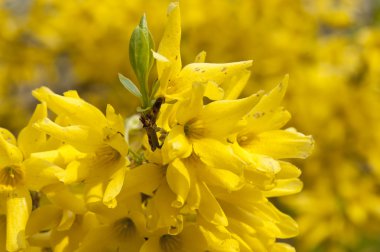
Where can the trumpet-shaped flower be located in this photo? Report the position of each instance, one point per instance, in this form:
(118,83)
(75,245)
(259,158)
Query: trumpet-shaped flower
(19,173)
(100,137)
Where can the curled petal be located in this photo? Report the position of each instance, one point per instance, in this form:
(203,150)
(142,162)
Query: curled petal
(281,144)
(178,178)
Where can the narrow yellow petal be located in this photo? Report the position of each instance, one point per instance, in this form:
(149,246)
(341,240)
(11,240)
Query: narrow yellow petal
(218,238)
(170,42)
(273,99)
(189,109)
(176,145)
(76,109)
(205,72)
(221,156)
(178,179)
(285,187)
(75,172)
(221,178)
(143,179)
(263,121)
(201,57)
(288,171)
(281,144)
(234,86)
(162,214)
(40,173)
(209,207)
(43,218)
(30,139)
(59,195)
(151,245)
(82,137)
(67,220)
(282,247)
(7,136)
(114,186)
(9,153)
(18,208)
(213,91)
(220,118)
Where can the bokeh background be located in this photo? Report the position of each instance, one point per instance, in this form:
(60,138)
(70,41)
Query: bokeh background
(330,48)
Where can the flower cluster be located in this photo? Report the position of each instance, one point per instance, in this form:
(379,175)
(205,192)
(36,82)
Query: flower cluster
(194,171)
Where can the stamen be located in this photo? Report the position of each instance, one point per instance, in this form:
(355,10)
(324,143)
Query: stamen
(107,155)
(124,228)
(11,175)
(170,243)
(194,129)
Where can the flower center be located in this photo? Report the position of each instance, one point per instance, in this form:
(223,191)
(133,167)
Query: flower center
(170,243)
(194,129)
(124,228)
(10,176)
(106,155)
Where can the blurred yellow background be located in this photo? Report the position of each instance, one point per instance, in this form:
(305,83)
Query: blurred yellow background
(330,48)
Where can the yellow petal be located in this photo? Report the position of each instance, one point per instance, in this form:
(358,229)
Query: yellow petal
(281,144)
(218,238)
(220,118)
(178,179)
(209,207)
(75,172)
(43,218)
(19,205)
(213,91)
(96,240)
(201,57)
(115,121)
(221,178)
(79,111)
(162,214)
(264,121)
(234,86)
(67,220)
(82,137)
(59,195)
(287,171)
(285,187)
(176,145)
(282,247)
(30,139)
(143,179)
(151,245)
(7,136)
(40,173)
(114,186)
(191,108)
(273,99)
(221,155)
(170,42)
(9,153)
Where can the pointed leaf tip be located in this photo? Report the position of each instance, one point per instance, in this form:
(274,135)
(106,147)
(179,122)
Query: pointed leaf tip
(129,85)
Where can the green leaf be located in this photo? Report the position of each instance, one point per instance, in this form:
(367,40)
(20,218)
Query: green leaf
(129,85)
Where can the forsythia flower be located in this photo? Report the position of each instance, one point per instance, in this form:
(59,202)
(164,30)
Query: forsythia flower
(99,137)
(20,172)
(200,179)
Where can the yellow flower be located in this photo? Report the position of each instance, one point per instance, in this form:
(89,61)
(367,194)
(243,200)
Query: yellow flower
(177,82)
(100,137)
(19,173)
(120,229)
